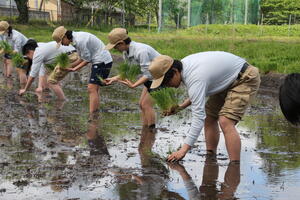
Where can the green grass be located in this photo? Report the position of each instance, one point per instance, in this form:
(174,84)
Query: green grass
(270,48)
(129,72)
(165,98)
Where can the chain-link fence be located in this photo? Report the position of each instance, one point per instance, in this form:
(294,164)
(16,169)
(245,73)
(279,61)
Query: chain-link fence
(184,13)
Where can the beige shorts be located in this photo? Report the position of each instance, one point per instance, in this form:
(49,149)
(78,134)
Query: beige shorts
(233,102)
(59,73)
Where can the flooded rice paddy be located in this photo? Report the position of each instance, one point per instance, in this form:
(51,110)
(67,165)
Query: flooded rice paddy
(51,150)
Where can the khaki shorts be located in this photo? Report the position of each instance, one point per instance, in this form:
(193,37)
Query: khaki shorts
(233,102)
(60,73)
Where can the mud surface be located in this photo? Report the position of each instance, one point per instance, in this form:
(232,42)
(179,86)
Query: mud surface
(51,150)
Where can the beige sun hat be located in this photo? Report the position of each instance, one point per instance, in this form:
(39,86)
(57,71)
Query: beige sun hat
(3,27)
(158,68)
(116,36)
(58,34)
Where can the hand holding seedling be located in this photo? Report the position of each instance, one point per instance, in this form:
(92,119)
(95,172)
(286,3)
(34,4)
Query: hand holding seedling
(179,155)
(127,83)
(111,80)
(172,111)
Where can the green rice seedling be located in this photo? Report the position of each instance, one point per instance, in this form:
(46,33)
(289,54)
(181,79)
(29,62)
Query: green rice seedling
(165,98)
(50,67)
(62,60)
(18,60)
(5,46)
(129,72)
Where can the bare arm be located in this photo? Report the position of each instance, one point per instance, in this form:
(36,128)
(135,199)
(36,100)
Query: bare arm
(28,84)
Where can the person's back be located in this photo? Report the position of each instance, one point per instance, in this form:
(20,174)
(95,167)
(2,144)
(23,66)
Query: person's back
(216,69)
(91,48)
(17,40)
(48,51)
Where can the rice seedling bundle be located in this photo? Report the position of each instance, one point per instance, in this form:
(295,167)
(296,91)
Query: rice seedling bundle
(62,60)
(18,59)
(50,67)
(166,98)
(5,47)
(129,72)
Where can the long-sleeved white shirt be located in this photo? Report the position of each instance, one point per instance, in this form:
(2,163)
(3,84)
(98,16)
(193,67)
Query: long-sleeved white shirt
(46,53)
(205,74)
(142,55)
(17,40)
(90,48)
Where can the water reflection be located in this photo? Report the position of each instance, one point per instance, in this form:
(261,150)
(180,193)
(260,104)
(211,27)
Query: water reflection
(95,140)
(208,189)
(151,181)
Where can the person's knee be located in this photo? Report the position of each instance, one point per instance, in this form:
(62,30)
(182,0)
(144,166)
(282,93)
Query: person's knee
(226,123)
(92,89)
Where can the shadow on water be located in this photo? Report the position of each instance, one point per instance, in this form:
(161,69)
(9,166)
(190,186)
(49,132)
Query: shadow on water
(55,150)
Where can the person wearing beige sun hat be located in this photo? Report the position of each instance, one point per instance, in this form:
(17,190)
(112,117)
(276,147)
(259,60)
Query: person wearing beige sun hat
(135,53)
(229,82)
(17,40)
(91,50)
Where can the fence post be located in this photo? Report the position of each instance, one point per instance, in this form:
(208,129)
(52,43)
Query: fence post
(289,32)
(149,22)
(159,16)
(189,13)
(206,24)
(246,12)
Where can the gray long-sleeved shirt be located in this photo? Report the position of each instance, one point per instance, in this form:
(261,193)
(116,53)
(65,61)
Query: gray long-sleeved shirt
(205,74)
(142,55)
(46,53)
(90,48)
(17,40)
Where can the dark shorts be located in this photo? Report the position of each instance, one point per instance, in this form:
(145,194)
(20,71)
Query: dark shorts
(148,85)
(100,70)
(7,56)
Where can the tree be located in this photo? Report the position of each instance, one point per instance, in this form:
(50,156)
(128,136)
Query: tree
(278,11)
(176,10)
(22,6)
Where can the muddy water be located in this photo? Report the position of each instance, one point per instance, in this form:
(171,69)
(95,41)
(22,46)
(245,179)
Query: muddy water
(50,150)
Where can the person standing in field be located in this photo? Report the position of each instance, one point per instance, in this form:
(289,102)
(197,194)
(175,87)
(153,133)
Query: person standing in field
(135,53)
(90,50)
(228,80)
(42,55)
(17,40)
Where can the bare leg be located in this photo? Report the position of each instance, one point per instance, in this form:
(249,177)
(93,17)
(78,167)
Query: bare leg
(232,138)
(56,88)
(146,106)
(9,67)
(212,133)
(42,84)
(93,90)
(22,77)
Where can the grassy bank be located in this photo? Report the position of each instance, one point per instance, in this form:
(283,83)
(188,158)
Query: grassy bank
(267,47)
